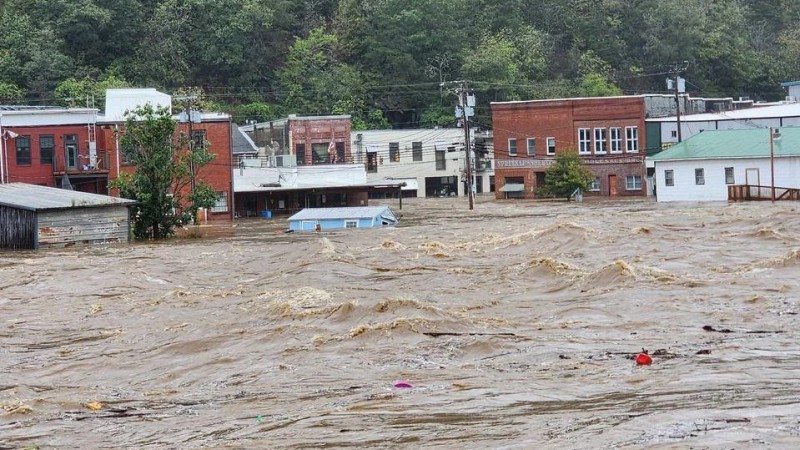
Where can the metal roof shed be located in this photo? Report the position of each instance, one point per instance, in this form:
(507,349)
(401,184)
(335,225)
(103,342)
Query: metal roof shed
(33,217)
(333,218)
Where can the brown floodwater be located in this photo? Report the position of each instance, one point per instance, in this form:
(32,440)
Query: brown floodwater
(516,325)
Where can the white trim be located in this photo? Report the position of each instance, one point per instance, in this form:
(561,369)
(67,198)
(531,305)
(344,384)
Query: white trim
(584,141)
(530,147)
(553,140)
(615,140)
(516,150)
(600,139)
(355,221)
(632,140)
(633,178)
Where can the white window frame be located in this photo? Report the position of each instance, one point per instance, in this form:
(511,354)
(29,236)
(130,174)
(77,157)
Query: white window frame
(221,204)
(349,222)
(699,176)
(584,141)
(510,141)
(531,146)
(632,139)
(594,186)
(669,177)
(732,179)
(634,179)
(551,146)
(599,141)
(615,140)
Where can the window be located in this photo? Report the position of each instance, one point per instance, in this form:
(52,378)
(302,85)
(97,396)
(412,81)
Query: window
(674,133)
(595,185)
(222,202)
(729,179)
(300,151)
(699,177)
(416,151)
(71,147)
(198,139)
(531,146)
(551,146)
(320,153)
(23,150)
(441,162)
(351,224)
(632,139)
(340,153)
(47,146)
(372,162)
(512,147)
(633,182)
(669,178)
(616,139)
(584,141)
(599,141)
(394,151)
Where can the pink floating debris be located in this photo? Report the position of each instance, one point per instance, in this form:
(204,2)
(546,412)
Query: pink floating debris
(402,384)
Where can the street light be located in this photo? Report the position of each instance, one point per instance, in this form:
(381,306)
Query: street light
(774,135)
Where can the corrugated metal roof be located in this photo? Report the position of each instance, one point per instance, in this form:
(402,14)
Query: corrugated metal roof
(749,143)
(32,197)
(356,212)
(756,112)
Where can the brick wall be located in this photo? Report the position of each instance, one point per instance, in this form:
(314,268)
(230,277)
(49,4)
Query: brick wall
(319,131)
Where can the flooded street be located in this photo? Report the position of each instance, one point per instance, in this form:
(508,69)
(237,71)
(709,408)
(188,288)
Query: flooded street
(515,323)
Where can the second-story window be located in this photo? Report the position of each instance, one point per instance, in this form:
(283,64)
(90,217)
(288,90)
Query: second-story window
(632,139)
(47,147)
(340,153)
(599,141)
(584,141)
(198,139)
(300,151)
(23,150)
(531,146)
(394,151)
(416,151)
(616,139)
(441,161)
(512,147)
(551,146)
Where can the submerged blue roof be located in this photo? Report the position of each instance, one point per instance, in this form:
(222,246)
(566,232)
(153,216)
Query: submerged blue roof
(355,212)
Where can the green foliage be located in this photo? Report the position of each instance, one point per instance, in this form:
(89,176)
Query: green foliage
(437,115)
(596,85)
(75,92)
(258,111)
(565,175)
(162,182)
(10,93)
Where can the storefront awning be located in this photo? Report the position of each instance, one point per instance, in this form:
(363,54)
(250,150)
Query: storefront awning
(512,187)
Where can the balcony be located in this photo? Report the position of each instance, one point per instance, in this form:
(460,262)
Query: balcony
(82,164)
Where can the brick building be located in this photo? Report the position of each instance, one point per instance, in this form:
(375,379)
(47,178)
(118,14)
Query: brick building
(607,132)
(78,148)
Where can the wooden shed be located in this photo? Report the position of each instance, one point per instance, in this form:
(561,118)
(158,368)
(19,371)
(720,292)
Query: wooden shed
(311,219)
(33,217)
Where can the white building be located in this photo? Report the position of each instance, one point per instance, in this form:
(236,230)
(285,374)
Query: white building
(431,162)
(703,167)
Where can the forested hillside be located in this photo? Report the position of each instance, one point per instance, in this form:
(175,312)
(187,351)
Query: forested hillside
(383,60)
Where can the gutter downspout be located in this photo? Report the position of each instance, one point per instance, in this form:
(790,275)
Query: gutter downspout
(230,170)
(2,153)
(116,146)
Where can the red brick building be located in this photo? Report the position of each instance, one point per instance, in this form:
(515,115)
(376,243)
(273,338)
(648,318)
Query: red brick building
(607,132)
(78,148)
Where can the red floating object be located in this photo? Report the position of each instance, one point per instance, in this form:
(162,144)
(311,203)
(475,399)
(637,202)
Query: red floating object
(643,359)
(402,384)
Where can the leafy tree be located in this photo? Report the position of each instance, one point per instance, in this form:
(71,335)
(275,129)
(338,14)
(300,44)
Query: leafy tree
(10,93)
(162,181)
(77,92)
(565,175)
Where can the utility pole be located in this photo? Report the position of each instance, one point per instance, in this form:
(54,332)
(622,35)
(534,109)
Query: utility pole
(188,109)
(463,93)
(676,72)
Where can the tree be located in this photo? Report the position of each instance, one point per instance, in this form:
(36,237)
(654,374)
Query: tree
(10,93)
(75,92)
(161,183)
(565,176)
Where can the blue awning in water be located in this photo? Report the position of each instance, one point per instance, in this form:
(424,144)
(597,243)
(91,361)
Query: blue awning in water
(512,187)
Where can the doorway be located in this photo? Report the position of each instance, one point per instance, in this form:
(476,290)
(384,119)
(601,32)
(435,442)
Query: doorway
(612,185)
(752,179)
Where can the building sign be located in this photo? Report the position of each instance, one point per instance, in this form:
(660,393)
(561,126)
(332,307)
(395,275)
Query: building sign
(618,160)
(521,163)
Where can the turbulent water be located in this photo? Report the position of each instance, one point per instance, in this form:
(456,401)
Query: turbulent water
(515,324)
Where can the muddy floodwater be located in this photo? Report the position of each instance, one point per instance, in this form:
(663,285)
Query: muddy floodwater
(515,325)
